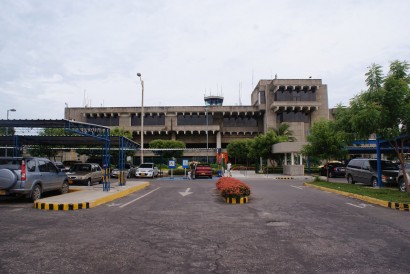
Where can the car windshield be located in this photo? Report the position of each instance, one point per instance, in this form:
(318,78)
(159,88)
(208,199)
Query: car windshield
(146,166)
(81,167)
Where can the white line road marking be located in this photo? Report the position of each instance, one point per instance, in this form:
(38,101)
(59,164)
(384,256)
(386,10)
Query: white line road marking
(130,202)
(298,187)
(359,206)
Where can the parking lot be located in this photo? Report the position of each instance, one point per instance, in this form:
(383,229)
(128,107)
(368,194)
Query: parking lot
(184,226)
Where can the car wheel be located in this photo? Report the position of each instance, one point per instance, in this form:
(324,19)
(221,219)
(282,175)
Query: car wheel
(36,193)
(350,179)
(65,188)
(374,182)
(402,185)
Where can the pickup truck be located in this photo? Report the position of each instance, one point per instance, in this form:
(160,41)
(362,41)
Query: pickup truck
(30,177)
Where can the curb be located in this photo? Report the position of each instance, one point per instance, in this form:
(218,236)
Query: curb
(392,205)
(91,204)
(242,200)
(284,178)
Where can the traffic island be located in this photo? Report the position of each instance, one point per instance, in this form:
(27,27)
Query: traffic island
(88,197)
(233,190)
(371,200)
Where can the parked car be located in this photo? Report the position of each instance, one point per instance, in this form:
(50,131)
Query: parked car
(400,178)
(147,170)
(69,163)
(60,166)
(334,169)
(30,177)
(129,171)
(365,171)
(203,170)
(87,173)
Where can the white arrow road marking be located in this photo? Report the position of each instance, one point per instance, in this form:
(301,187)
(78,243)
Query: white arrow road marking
(186,192)
(298,187)
(140,197)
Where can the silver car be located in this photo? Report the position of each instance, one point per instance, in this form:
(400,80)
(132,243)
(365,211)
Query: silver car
(87,173)
(365,171)
(30,177)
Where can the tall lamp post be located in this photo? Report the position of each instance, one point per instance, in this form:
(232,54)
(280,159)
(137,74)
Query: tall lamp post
(142,117)
(7,129)
(206,116)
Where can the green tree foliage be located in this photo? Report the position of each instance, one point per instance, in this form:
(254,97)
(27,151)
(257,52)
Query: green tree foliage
(326,142)
(261,145)
(49,151)
(284,130)
(168,144)
(7,131)
(239,150)
(121,132)
(383,109)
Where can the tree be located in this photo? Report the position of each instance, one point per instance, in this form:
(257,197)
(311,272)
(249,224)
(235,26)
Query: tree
(121,132)
(49,151)
(284,130)
(261,145)
(168,145)
(383,109)
(239,150)
(325,141)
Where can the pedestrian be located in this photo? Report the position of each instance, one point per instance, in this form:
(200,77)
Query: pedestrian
(189,175)
(228,169)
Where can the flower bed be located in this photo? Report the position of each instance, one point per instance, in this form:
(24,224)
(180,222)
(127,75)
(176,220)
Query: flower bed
(233,189)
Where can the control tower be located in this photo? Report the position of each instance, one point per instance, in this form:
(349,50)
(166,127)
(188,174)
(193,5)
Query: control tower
(213,100)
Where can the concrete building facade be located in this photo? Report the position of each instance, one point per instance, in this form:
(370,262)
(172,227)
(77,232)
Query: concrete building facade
(297,102)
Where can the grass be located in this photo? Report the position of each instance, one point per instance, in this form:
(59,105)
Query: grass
(385,194)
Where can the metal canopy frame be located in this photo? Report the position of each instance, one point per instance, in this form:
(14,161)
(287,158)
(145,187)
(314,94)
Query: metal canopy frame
(91,134)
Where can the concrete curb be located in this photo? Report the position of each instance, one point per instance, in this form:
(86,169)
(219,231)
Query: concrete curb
(242,200)
(393,205)
(108,197)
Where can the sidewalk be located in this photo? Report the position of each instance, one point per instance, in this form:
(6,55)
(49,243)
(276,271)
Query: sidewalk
(85,197)
(252,174)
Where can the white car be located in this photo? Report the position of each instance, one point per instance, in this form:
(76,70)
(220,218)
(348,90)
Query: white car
(147,170)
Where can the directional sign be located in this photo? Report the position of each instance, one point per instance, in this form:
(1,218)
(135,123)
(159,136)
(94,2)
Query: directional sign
(186,192)
(185,163)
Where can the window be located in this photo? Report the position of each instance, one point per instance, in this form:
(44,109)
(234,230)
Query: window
(154,120)
(240,122)
(293,117)
(42,166)
(188,120)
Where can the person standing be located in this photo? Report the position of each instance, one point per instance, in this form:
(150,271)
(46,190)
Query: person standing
(228,169)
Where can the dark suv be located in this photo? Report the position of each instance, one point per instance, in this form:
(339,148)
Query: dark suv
(365,171)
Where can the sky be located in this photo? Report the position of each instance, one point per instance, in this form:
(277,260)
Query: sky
(71,53)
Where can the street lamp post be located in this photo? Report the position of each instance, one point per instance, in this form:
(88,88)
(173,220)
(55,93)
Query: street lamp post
(142,117)
(206,115)
(7,128)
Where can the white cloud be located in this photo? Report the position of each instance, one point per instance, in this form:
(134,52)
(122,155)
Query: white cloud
(51,51)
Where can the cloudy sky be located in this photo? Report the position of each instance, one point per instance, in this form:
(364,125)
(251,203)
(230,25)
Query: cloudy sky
(54,53)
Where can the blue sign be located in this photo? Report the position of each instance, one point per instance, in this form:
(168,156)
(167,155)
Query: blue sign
(171,164)
(185,163)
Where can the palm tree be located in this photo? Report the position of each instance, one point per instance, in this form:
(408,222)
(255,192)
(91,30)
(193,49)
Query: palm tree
(284,130)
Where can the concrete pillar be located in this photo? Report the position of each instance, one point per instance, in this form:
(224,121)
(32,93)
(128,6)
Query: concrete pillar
(218,140)
(292,159)
(300,159)
(286,159)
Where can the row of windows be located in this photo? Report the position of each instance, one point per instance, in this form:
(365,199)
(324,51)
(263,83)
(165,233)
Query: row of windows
(196,120)
(295,96)
(292,116)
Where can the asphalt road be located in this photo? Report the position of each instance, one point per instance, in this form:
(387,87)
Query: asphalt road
(184,226)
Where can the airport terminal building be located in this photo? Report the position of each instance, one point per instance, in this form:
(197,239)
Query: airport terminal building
(297,102)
